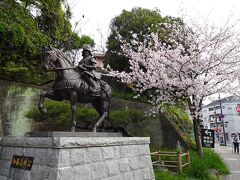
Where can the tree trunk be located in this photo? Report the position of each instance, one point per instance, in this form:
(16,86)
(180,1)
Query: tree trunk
(192,104)
(197,138)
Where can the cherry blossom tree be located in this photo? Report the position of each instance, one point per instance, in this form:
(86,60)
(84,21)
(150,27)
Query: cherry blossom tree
(195,62)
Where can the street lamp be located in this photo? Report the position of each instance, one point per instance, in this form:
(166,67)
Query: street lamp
(222,120)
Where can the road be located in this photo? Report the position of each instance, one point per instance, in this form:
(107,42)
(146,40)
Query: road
(231,159)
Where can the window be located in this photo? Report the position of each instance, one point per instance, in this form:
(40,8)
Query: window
(215,108)
(212,118)
(211,109)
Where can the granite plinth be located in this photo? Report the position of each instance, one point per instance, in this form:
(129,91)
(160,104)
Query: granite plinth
(78,158)
(72,134)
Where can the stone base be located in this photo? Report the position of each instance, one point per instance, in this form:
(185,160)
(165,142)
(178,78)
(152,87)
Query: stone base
(77,158)
(72,134)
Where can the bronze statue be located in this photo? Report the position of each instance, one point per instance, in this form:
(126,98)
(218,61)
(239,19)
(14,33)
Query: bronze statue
(87,67)
(75,86)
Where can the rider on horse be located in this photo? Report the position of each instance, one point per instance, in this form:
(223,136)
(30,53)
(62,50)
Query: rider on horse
(87,67)
(68,84)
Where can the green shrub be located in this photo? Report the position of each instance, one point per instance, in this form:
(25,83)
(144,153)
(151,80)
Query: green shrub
(129,96)
(87,115)
(199,168)
(59,113)
(126,117)
(213,160)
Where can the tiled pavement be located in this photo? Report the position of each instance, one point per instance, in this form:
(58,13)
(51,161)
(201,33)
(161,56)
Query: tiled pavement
(231,159)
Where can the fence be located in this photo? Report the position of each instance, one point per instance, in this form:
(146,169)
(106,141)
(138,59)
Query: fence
(177,164)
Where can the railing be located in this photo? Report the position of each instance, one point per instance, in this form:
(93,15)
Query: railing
(177,164)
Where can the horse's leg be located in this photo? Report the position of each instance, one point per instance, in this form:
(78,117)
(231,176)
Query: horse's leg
(102,109)
(101,119)
(73,100)
(43,95)
(41,107)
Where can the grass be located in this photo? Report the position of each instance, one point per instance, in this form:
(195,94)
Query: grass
(199,168)
(167,175)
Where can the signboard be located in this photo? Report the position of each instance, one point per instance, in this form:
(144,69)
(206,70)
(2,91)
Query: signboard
(22,162)
(208,138)
(221,116)
(218,129)
(238,108)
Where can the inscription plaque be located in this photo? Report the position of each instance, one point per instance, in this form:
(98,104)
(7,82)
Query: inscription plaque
(22,162)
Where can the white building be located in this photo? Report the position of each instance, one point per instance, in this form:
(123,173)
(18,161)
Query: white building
(230,108)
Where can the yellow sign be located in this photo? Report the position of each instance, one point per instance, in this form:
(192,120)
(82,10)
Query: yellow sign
(22,162)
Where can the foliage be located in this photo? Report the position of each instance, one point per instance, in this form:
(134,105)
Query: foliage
(76,54)
(127,117)
(181,121)
(54,22)
(19,39)
(199,168)
(86,40)
(179,112)
(128,95)
(26,27)
(138,20)
(166,175)
(59,113)
(188,68)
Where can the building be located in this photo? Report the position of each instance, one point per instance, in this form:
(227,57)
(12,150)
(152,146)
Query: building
(223,114)
(100,57)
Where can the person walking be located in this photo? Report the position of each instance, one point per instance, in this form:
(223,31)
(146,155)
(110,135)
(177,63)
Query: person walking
(236,144)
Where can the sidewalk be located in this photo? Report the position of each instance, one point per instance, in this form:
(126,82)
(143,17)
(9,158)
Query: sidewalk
(231,159)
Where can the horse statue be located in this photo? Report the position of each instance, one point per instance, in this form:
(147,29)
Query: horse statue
(69,85)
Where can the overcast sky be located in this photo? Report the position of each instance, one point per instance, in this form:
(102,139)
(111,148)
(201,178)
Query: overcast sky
(94,16)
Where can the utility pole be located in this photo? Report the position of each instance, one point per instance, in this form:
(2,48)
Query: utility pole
(222,120)
(215,118)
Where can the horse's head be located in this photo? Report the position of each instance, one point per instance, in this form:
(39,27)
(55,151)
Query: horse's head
(49,58)
(54,59)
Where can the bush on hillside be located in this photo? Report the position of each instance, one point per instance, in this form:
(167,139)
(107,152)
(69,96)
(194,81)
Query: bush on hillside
(59,113)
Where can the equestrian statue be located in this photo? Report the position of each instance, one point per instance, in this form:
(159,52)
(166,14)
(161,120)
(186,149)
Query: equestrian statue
(78,84)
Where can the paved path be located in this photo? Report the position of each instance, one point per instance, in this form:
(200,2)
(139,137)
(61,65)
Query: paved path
(231,159)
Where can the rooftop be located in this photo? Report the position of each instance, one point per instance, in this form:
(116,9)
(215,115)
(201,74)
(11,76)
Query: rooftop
(224,100)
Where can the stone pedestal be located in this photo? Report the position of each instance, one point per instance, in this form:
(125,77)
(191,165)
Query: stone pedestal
(77,158)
